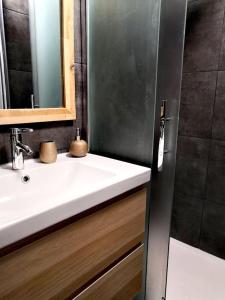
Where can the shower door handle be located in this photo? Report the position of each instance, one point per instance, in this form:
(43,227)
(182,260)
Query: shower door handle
(161,150)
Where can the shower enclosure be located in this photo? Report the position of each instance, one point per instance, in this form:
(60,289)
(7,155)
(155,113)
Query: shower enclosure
(199,200)
(135,53)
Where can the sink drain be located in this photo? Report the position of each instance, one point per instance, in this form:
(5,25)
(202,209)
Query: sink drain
(25,179)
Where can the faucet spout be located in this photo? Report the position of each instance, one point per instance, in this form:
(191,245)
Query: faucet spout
(24,148)
(19,148)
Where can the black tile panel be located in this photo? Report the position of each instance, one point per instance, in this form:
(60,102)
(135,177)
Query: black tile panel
(217,151)
(21,89)
(218,129)
(191,177)
(77,34)
(84,103)
(191,148)
(197,102)
(20,6)
(84,31)
(203,35)
(216,173)
(16,26)
(5,148)
(18,45)
(191,167)
(213,229)
(222,51)
(79,91)
(19,55)
(216,182)
(186,219)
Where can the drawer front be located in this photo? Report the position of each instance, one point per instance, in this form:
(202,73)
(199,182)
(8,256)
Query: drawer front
(57,265)
(122,282)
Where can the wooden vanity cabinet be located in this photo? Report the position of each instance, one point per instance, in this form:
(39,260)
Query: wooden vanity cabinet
(99,256)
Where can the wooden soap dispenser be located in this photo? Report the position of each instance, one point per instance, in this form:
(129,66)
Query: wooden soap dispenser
(78,148)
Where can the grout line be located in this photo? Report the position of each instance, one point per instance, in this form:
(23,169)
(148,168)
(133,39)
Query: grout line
(80,63)
(202,138)
(192,136)
(23,71)
(15,11)
(204,71)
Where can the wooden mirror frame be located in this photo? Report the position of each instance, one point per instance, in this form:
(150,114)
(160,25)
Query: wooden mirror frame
(68,112)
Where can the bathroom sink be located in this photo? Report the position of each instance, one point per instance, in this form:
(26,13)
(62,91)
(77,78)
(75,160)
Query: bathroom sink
(42,195)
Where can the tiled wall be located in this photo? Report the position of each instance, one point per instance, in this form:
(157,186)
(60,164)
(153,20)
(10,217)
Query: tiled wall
(61,132)
(199,204)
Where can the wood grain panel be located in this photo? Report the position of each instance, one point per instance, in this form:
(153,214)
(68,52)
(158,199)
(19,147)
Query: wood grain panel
(60,263)
(122,282)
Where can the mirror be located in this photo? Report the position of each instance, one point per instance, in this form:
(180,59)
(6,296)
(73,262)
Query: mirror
(37,60)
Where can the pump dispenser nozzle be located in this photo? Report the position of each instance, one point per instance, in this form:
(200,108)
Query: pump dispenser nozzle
(79,147)
(78,134)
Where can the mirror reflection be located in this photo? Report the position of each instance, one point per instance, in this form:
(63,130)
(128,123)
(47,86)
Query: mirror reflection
(31,64)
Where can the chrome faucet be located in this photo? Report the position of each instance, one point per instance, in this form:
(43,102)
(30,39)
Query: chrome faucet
(18,148)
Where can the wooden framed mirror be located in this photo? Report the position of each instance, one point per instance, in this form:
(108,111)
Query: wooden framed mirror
(62,86)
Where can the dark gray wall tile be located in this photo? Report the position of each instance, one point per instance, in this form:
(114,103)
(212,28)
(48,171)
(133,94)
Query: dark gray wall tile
(213,230)
(16,26)
(81,97)
(20,6)
(216,173)
(78,32)
(222,51)
(21,88)
(79,91)
(84,103)
(203,35)
(197,101)
(191,172)
(33,140)
(5,149)
(62,135)
(84,31)
(186,219)
(218,130)
(19,55)
(216,182)
(192,148)
(217,151)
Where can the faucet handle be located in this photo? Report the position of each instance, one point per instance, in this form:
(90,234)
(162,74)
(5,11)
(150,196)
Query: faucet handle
(15,131)
(21,130)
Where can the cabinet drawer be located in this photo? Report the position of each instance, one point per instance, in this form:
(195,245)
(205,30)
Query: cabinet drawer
(61,263)
(122,282)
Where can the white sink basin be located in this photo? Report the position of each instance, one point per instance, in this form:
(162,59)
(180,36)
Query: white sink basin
(58,191)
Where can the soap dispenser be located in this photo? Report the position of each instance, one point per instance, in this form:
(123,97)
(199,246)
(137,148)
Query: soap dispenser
(78,148)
